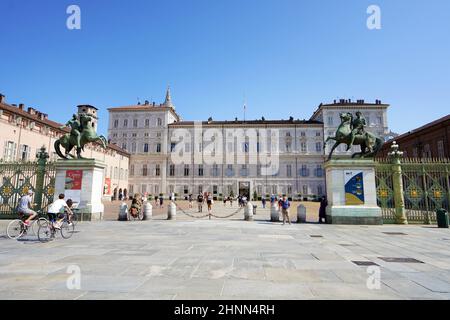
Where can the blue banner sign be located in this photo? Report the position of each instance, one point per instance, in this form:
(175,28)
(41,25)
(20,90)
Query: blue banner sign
(354,188)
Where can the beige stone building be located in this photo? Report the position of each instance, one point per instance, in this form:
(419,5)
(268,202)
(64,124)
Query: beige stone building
(156,136)
(24,130)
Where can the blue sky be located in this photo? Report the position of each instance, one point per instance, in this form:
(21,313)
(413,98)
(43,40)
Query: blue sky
(285,56)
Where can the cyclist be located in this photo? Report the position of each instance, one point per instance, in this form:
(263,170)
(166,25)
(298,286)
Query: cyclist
(24,207)
(55,209)
(69,215)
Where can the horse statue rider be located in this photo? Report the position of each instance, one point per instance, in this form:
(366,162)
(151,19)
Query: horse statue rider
(81,133)
(352,132)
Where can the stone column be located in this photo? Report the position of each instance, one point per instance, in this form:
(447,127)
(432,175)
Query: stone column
(148,211)
(248,212)
(171,211)
(397,183)
(301,214)
(274,213)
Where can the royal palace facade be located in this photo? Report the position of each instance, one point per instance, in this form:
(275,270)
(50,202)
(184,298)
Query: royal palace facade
(253,157)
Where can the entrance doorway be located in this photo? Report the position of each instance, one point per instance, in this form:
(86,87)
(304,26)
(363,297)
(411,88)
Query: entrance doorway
(244,189)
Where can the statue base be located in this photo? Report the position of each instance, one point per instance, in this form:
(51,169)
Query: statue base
(351,192)
(82,181)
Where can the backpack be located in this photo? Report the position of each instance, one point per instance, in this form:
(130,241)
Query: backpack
(285,204)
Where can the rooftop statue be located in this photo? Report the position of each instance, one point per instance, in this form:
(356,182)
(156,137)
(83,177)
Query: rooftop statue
(352,132)
(81,133)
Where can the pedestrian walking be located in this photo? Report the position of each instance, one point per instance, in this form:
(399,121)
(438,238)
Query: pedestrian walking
(161,201)
(209,202)
(322,210)
(285,204)
(272,198)
(200,202)
(156,201)
(190,201)
(263,201)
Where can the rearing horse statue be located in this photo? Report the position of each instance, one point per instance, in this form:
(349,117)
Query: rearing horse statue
(350,135)
(81,134)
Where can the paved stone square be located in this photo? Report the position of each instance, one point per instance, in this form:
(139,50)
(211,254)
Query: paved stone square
(227,259)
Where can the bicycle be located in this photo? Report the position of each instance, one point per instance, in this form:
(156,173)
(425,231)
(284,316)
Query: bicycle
(47,231)
(17,228)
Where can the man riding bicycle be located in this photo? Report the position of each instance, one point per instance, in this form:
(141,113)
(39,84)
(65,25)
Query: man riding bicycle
(55,209)
(24,208)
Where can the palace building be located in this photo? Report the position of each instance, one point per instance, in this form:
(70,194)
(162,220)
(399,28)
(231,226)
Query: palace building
(24,130)
(253,157)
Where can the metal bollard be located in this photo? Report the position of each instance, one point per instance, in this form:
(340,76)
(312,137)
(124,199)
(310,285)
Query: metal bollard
(123,212)
(248,212)
(274,213)
(301,214)
(172,211)
(148,211)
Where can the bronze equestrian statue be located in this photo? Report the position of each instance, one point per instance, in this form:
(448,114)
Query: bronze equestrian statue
(82,132)
(352,132)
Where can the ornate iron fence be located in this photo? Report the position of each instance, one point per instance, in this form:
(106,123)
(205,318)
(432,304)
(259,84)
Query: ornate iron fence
(425,187)
(17,178)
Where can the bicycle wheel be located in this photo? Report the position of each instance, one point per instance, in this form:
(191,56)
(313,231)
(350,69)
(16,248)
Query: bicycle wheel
(67,230)
(36,224)
(45,232)
(15,229)
(74,219)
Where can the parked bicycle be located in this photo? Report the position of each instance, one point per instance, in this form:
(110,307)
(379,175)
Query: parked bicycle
(17,228)
(47,231)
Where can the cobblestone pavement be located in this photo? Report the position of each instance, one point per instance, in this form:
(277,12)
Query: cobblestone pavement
(228,259)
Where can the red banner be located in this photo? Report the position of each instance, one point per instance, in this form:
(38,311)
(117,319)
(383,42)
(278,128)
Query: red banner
(107,186)
(74,179)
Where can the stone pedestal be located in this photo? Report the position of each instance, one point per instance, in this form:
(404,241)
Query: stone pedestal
(357,204)
(274,213)
(82,181)
(248,212)
(301,214)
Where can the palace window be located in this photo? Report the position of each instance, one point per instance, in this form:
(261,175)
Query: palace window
(157,170)
(159,122)
(133,147)
(186,170)
(9,151)
(319,171)
(200,170)
(132,170)
(304,171)
(303,147)
(172,146)
(215,170)
(145,147)
(116,123)
(305,189)
(135,123)
(125,123)
(318,146)
(172,170)
(144,170)
(186,189)
(147,123)
(158,147)
(25,152)
(289,170)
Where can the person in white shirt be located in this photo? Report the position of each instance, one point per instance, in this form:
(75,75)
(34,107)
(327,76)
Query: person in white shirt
(56,208)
